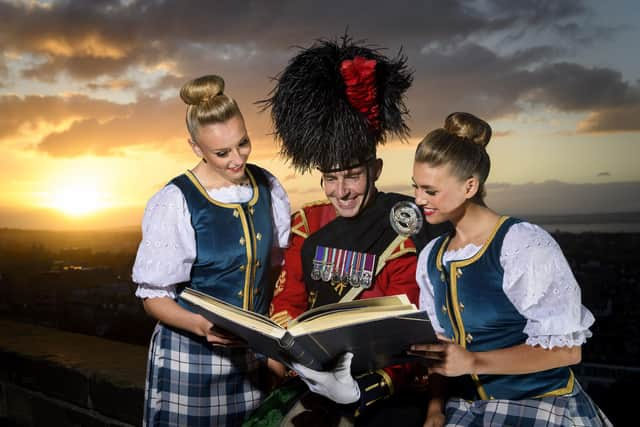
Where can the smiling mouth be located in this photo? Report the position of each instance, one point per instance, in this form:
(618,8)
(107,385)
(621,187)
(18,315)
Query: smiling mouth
(346,204)
(428,211)
(236,169)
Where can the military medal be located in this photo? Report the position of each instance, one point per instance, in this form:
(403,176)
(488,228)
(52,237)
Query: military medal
(328,266)
(346,265)
(406,218)
(336,266)
(366,277)
(355,276)
(318,261)
(335,275)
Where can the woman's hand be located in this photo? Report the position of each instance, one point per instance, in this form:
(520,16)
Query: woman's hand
(447,358)
(435,413)
(278,369)
(216,335)
(169,312)
(435,419)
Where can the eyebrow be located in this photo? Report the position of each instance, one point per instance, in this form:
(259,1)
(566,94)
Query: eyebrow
(245,138)
(345,173)
(424,187)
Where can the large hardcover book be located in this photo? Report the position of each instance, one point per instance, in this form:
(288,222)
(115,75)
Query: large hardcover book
(378,331)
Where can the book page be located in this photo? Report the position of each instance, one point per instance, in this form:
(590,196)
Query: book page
(391,300)
(232,313)
(340,318)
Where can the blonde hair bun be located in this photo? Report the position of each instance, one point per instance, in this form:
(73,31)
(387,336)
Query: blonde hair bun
(468,127)
(202,89)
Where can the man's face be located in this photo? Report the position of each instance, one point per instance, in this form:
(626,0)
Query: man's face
(347,189)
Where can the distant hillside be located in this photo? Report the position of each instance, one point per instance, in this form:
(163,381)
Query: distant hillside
(603,218)
(116,240)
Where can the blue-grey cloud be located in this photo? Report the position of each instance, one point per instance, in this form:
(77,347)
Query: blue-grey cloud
(90,39)
(556,198)
(447,42)
(560,198)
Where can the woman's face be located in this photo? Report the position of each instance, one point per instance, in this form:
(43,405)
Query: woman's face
(438,192)
(225,147)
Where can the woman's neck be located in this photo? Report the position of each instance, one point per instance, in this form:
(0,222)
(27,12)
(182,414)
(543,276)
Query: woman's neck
(473,226)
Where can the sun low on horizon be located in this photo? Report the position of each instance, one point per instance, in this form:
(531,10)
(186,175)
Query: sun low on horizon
(77,199)
(78,188)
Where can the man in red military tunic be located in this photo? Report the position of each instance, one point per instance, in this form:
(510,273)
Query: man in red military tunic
(331,106)
(368,230)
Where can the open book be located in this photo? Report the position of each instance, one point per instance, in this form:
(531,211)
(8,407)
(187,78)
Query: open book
(376,330)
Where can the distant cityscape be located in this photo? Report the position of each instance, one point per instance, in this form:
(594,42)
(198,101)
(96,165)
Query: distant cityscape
(80,282)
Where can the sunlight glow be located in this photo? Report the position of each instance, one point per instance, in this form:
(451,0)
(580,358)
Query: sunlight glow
(77,199)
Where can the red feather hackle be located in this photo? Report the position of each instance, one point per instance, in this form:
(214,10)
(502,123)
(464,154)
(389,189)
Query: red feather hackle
(359,75)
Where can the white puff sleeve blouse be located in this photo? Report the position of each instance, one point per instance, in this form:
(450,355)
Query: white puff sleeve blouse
(168,247)
(537,280)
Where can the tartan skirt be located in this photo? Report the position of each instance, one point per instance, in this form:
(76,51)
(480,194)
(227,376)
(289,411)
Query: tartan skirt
(572,409)
(193,383)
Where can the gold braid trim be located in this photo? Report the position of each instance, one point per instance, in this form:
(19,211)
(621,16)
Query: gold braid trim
(282,318)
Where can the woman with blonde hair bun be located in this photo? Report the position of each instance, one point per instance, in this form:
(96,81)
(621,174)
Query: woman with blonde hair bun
(501,295)
(216,228)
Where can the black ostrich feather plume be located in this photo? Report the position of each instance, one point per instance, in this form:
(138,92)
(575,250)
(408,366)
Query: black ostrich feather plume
(313,120)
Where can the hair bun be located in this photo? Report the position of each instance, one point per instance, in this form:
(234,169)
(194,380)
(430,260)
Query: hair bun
(202,89)
(468,127)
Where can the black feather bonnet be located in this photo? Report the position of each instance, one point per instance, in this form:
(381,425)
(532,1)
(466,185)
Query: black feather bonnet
(335,102)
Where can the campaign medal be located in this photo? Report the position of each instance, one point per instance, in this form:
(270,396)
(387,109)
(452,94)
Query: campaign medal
(346,265)
(335,275)
(328,266)
(318,262)
(354,277)
(366,278)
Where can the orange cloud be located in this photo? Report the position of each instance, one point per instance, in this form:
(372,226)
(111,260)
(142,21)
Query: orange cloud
(90,45)
(624,119)
(30,111)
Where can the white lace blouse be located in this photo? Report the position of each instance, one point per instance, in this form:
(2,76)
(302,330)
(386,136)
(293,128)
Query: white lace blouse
(537,280)
(168,247)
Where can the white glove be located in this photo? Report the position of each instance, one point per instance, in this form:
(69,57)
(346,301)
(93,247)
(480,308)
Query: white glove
(337,385)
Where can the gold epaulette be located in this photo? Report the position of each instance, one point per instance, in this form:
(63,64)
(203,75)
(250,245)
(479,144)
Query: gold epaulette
(315,203)
(400,246)
(299,223)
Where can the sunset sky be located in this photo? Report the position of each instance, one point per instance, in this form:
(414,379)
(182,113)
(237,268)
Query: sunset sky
(91,124)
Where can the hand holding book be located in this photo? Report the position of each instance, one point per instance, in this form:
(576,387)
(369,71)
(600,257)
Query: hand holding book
(220,336)
(377,331)
(337,384)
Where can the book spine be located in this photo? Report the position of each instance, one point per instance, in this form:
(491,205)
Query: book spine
(297,353)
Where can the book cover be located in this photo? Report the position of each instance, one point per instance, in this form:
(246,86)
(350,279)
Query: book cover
(376,330)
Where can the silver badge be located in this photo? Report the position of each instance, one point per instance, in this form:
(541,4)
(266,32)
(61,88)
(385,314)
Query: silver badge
(406,218)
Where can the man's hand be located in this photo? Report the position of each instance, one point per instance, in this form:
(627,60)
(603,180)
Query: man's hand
(337,385)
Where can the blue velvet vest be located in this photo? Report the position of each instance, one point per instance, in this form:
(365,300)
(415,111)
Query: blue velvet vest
(233,243)
(474,311)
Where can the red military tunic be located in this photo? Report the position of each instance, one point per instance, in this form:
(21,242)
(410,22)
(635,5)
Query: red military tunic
(290,299)
(396,270)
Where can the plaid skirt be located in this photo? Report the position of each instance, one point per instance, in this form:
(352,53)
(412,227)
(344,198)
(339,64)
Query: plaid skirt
(193,383)
(573,409)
